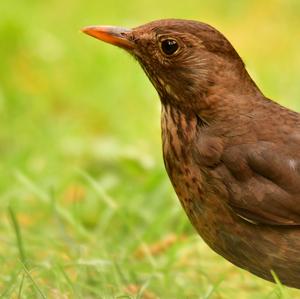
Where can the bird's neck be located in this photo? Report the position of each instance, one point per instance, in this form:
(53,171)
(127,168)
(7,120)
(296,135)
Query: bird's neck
(232,93)
(226,91)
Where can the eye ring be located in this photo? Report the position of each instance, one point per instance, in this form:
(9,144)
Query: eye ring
(169,46)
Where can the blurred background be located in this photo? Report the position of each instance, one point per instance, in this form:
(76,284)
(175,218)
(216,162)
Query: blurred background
(86,209)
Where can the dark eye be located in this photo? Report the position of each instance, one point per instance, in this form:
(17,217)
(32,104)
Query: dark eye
(169,46)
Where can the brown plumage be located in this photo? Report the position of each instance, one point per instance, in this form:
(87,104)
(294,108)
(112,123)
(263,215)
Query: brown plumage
(233,156)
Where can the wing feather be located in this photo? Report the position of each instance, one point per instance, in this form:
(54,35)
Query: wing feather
(270,192)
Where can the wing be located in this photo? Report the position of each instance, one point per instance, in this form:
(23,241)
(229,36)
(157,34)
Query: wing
(263,182)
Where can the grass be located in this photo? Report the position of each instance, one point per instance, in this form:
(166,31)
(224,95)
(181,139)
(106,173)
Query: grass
(86,209)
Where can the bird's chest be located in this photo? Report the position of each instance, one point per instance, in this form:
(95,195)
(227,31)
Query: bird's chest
(191,181)
(178,134)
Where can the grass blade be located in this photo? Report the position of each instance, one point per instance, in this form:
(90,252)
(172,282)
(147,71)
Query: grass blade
(33,282)
(18,234)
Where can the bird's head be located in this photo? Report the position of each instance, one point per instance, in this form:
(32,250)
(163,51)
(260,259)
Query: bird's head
(183,59)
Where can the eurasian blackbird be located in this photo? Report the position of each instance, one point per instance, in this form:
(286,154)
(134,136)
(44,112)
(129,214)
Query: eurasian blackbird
(233,156)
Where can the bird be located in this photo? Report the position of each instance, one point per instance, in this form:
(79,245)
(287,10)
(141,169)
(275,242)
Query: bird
(232,154)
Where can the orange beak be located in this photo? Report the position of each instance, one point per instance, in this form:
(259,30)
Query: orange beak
(117,36)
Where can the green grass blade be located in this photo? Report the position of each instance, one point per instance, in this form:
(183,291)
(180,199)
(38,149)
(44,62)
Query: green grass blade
(18,234)
(33,282)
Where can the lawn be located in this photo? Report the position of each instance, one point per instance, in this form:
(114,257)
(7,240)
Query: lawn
(86,208)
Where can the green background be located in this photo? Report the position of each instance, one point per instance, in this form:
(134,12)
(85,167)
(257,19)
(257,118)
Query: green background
(86,208)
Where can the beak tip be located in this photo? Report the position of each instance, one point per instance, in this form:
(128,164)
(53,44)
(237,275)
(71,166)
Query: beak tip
(85,29)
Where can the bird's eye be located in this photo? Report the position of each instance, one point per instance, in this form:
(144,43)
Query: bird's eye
(169,46)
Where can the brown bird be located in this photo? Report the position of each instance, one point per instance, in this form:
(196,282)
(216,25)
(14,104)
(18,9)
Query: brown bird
(233,156)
